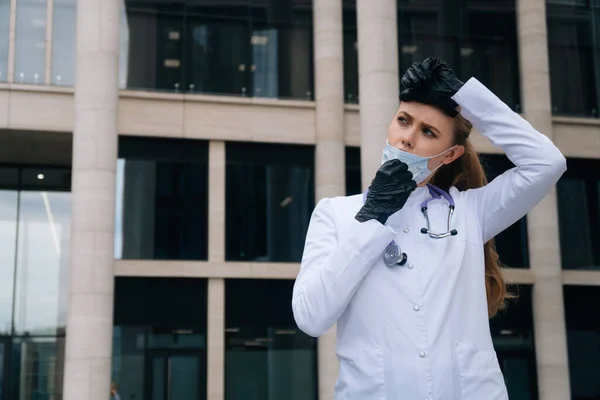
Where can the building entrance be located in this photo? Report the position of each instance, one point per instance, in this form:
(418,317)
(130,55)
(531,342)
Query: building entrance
(175,375)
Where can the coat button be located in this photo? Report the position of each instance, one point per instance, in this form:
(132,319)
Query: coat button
(421,354)
(410,266)
(416,307)
(405,230)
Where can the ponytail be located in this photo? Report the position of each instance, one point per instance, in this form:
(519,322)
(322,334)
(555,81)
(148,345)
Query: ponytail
(464,173)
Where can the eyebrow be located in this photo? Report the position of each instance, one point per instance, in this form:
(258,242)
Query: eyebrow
(411,118)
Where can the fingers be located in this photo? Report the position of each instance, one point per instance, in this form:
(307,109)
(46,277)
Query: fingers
(393,165)
(422,73)
(394,170)
(414,75)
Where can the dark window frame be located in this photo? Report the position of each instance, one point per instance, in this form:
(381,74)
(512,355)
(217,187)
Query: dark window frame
(585,171)
(176,161)
(245,161)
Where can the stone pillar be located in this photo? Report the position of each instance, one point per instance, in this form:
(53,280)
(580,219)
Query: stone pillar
(216,286)
(216,201)
(91,278)
(378,79)
(330,165)
(216,339)
(542,221)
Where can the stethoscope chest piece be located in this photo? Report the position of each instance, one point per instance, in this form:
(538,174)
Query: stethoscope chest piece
(392,255)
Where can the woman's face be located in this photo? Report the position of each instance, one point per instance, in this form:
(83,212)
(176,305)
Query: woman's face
(425,131)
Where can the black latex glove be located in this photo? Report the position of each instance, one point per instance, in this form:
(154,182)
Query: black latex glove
(388,192)
(431,81)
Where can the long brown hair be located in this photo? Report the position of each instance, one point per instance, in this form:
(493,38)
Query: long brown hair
(464,173)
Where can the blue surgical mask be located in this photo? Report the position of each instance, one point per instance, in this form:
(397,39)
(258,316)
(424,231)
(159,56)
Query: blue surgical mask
(417,165)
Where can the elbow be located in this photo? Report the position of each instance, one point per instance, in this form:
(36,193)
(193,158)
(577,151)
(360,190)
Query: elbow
(557,164)
(309,321)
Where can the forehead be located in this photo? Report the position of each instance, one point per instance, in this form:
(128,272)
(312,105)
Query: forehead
(426,114)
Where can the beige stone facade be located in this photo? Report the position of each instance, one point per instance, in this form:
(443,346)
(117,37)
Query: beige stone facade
(95,115)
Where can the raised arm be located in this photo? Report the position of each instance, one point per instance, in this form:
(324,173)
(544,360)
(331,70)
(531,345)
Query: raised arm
(333,266)
(539,163)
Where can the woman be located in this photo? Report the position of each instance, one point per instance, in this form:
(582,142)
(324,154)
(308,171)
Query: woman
(413,323)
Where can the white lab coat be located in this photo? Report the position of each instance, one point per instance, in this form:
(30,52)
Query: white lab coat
(421,331)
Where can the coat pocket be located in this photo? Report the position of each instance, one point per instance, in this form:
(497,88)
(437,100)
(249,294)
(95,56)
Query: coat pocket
(361,376)
(479,374)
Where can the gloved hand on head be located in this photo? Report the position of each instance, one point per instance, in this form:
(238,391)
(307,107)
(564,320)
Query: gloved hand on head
(432,82)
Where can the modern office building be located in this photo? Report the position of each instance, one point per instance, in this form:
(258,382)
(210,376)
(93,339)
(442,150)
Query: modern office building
(160,159)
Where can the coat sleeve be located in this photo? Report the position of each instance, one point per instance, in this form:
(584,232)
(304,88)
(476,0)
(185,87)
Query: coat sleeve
(333,266)
(538,162)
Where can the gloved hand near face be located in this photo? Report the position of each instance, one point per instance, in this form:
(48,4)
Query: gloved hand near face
(388,192)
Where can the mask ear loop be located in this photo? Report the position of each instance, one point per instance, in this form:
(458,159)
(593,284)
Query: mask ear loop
(443,152)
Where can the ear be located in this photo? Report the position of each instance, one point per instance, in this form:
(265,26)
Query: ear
(454,154)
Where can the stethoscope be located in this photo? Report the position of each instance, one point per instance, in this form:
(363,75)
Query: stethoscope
(392,255)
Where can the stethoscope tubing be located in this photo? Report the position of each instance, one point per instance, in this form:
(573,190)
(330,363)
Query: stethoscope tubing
(393,256)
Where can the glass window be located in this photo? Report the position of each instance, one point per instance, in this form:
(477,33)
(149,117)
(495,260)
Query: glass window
(476,38)
(4,366)
(269,201)
(512,333)
(249,48)
(159,338)
(42,252)
(162,199)
(582,317)
(572,53)
(353,173)
(30,42)
(63,42)
(267,356)
(4,27)
(34,230)
(155,44)
(578,193)
(9,199)
(38,364)
(350,37)
(511,244)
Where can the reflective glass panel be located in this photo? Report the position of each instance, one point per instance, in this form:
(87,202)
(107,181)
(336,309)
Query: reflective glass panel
(246,48)
(162,199)
(353,173)
(3,355)
(350,38)
(159,338)
(63,42)
(269,201)
(578,195)
(42,252)
(475,38)
(511,244)
(573,57)
(38,368)
(4,28)
(513,336)
(9,197)
(267,356)
(30,42)
(583,339)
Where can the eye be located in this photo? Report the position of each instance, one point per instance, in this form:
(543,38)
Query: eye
(403,120)
(428,132)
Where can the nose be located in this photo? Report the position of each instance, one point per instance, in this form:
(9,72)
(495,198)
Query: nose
(408,140)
